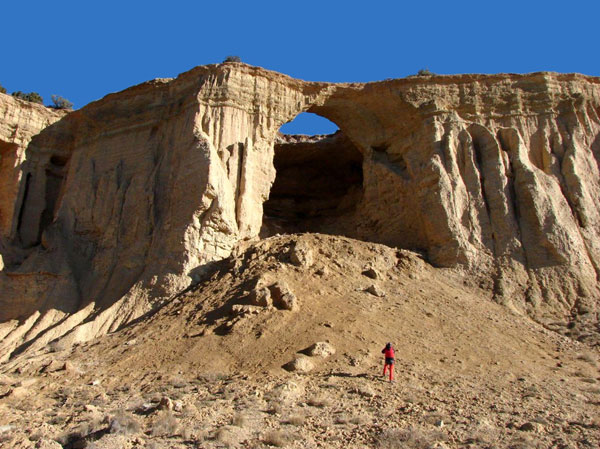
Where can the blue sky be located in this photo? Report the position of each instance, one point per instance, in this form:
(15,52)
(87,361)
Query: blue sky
(85,50)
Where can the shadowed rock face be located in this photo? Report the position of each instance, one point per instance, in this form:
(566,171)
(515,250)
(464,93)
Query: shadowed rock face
(126,201)
(317,186)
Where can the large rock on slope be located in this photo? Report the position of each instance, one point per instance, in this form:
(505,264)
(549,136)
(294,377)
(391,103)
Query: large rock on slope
(130,197)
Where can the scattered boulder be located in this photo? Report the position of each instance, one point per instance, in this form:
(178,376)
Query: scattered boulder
(531,427)
(20,392)
(301,364)
(289,302)
(283,298)
(71,368)
(322,271)
(371,273)
(301,256)
(53,366)
(261,296)
(321,349)
(165,403)
(375,290)
(90,408)
(27,382)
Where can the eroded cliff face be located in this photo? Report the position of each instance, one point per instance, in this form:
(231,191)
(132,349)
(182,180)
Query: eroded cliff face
(129,199)
(19,122)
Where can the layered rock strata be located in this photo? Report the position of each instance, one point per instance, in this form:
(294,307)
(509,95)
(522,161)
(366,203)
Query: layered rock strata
(128,200)
(19,122)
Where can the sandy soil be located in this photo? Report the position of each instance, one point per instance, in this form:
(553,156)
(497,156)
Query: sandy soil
(212,370)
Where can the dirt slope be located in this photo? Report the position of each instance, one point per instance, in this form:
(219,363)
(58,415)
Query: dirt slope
(469,373)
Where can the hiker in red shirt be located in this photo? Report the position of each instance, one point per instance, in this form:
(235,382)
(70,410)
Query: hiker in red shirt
(388,352)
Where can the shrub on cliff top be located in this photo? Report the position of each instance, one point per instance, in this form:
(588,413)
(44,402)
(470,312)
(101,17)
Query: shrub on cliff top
(232,59)
(425,72)
(2,89)
(61,103)
(34,97)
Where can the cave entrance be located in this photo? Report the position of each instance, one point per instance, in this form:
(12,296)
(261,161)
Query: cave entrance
(318,179)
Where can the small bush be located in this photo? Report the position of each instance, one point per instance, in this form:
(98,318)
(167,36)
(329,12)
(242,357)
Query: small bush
(295,420)
(587,357)
(277,438)
(2,89)
(61,103)
(341,419)
(319,401)
(165,424)
(226,436)
(239,420)
(275,408)
(358,420)
(412,438)
(125,423)
(232,59)
(34,97)
(57,346)
(425,72)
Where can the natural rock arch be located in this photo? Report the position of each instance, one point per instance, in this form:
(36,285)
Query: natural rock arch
(318,183)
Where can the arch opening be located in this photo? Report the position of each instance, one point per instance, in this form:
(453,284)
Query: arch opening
(318,182)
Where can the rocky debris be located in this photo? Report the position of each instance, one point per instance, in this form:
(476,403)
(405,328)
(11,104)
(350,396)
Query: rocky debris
(301,364)
(45,443)
(267,294)
(321,349)
(283,297)
(301,256)
(375,290)
(243,309)
(288,392)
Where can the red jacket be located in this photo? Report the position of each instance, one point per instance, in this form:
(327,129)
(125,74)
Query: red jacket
(388,353)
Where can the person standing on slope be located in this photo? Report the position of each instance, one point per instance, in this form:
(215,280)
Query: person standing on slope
(388,353)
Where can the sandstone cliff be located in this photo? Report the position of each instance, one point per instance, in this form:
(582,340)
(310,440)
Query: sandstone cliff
(126,201)
(19,122)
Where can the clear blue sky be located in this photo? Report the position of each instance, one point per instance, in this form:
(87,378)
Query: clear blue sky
(84,50)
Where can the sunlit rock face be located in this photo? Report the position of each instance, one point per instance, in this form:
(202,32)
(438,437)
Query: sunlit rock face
(19,122)
(126,201)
